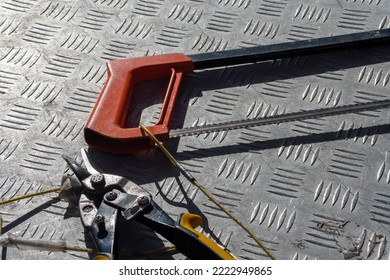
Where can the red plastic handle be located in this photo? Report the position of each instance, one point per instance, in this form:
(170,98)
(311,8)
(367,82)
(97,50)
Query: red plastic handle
(105,129)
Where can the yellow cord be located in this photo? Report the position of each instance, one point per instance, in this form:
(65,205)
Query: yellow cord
(28,196)
(204,191)
(4,202)
(78,249)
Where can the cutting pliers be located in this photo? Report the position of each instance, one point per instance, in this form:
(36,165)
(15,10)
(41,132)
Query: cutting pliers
(103,197)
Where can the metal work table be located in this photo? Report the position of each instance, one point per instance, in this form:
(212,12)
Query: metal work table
(314,189)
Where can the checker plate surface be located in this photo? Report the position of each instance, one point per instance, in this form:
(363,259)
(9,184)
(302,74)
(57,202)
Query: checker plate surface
(315,189)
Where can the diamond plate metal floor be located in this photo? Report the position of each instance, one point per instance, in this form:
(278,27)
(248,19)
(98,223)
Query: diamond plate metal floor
(316,189)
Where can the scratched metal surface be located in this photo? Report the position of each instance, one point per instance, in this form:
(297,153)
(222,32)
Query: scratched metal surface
(316,189)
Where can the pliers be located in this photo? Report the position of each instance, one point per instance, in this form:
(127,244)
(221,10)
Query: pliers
(102,198)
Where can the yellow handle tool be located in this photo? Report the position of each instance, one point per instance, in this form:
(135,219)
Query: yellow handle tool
(190,222)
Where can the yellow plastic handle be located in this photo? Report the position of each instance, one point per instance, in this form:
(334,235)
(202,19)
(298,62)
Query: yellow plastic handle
(102,257)
(192,221)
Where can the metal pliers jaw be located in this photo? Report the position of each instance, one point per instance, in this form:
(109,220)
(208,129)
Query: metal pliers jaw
(104,196)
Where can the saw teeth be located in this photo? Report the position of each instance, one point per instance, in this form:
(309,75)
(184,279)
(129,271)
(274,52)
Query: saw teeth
(282,118)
